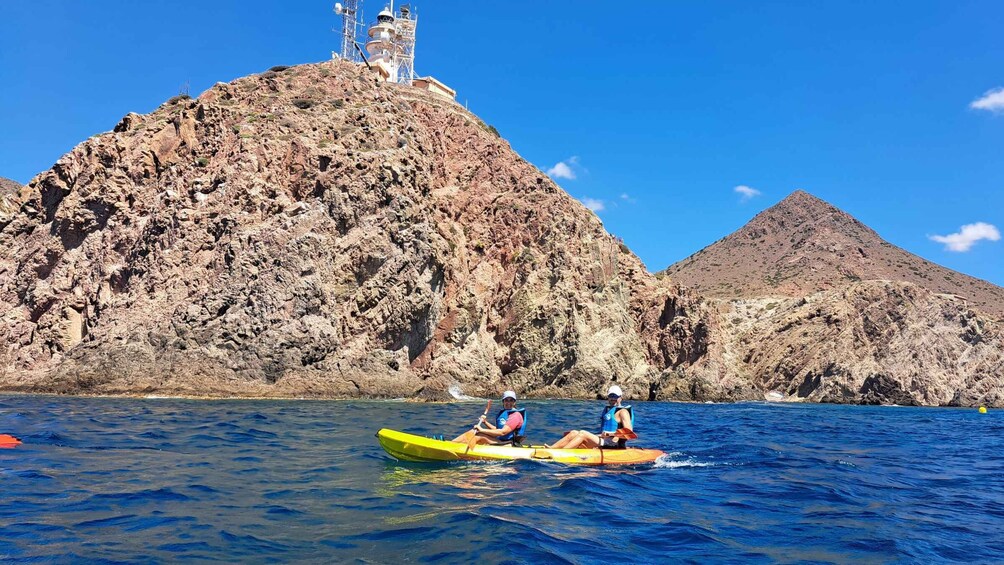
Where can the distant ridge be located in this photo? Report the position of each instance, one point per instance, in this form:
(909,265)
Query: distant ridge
(803,245)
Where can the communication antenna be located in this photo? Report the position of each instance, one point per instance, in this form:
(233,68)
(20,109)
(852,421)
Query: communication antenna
(351,13)
(407,21)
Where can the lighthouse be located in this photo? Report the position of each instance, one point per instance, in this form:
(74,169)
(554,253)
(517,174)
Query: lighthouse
(385,48)
(390,45)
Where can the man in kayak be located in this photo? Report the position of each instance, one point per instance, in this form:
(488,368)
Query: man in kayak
(615,416)
(509,427)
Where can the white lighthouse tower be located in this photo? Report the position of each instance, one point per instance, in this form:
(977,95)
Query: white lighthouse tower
(390,45)
(383,46)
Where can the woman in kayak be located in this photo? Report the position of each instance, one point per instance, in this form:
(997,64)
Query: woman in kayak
(510,423)
(615,416)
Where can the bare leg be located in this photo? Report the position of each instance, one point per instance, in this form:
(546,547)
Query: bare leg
(469,436)
(584,440)
(568,437)
(565,440)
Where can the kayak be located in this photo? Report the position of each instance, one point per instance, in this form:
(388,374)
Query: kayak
(8,441)
(410,447)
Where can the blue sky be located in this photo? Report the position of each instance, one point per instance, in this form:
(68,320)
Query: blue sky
(659,110)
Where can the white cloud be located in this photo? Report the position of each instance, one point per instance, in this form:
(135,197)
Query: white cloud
(746,192)
(593,204)
(561,171)
(968,235)
(627,198)
(564,169)
(992,100)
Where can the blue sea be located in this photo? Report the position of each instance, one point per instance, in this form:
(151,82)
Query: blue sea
(167,480)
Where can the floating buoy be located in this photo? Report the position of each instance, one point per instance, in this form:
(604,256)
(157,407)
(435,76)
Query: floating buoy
(8,442)
(983,409)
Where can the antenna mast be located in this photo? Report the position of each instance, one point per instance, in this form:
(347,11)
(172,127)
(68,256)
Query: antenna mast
(407,21)
(351,13)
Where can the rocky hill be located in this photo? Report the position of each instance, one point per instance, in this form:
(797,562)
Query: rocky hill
(310,232)
(803,245)
(817,306)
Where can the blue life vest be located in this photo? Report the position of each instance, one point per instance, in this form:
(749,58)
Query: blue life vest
(607,421)
(514,435)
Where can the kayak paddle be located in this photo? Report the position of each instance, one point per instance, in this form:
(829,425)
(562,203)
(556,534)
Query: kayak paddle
(474,438)
(625,433)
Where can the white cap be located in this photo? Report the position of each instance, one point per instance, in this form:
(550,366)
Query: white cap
(615,390)
(508,394)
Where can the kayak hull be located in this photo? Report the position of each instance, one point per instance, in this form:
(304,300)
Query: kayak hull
(410,447)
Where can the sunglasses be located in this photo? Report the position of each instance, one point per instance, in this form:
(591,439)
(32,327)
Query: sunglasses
(612,397)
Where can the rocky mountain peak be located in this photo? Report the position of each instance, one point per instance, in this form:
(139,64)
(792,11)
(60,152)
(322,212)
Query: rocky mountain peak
(803,216)
(803,245)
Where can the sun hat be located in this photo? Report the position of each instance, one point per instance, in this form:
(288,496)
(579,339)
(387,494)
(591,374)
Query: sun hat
(508,394)
(615,390)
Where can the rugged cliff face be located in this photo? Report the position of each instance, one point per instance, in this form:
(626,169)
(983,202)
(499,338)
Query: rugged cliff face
(309,231)
(874,342)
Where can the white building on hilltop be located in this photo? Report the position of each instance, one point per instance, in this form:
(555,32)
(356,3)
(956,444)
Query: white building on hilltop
(390,45)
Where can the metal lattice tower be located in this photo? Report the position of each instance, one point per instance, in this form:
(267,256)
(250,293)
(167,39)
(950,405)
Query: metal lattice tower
(406,21)
(351,12)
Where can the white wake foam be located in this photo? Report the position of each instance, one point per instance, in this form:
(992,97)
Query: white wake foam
(666,462)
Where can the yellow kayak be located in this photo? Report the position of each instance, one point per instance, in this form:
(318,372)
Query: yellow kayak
(410,447)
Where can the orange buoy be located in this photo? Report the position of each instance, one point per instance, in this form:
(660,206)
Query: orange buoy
(8,441)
